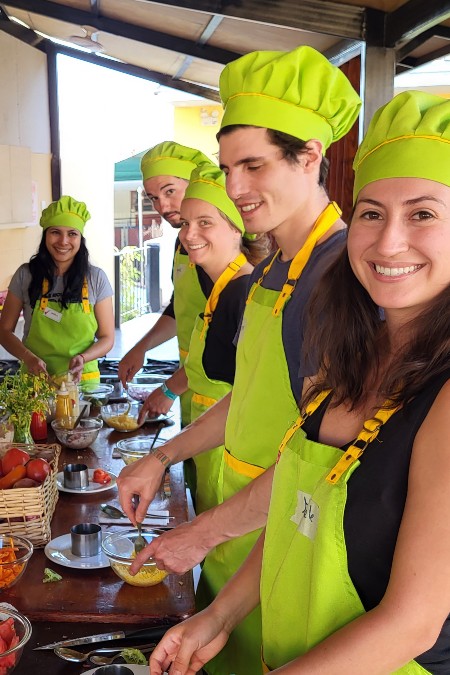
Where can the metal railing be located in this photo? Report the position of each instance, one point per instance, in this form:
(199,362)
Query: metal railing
(136,271)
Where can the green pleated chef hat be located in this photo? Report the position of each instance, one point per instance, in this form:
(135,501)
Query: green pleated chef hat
(297,92)
(171,159)
(409,137)
(208,184)
(66,212)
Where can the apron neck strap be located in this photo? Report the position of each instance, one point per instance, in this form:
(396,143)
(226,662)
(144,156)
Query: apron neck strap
(84,296)
(230,271)
(324,222)
(369,432)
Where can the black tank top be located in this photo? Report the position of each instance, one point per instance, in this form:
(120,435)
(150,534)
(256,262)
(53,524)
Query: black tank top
(375,503)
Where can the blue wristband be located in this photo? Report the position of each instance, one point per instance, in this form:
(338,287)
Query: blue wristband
(166,391)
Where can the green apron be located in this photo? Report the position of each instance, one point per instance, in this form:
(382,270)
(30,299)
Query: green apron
(188,302)
(206,392)
(55,342)
(262,407)
(305,557)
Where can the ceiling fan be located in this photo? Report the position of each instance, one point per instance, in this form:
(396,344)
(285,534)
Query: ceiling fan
(89,40)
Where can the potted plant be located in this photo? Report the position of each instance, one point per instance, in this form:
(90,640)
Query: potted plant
(21,395)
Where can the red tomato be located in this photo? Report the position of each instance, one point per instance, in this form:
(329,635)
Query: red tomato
(38,469)
(101,476)
(14,457)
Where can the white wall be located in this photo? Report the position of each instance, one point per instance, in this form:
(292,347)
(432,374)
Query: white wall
(24,122)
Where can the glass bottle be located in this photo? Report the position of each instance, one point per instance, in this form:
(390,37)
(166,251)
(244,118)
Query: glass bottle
(64,409)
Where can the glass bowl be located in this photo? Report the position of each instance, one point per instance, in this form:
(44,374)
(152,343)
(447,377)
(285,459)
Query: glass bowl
(16,630)
(81,437)
(132,449)
(121,416)
(15,553)
(96,394)
(119,547)
(139,391)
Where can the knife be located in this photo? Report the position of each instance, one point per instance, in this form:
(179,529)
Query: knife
(153,633)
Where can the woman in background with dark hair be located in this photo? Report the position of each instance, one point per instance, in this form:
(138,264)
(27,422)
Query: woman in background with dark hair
(65,300)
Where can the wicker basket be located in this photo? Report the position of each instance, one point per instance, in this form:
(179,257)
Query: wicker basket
(28,511)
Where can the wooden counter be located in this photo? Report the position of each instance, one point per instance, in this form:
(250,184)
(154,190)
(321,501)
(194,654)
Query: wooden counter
(93,601)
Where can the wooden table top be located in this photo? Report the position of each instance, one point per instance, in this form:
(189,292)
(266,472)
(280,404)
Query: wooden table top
(95,600)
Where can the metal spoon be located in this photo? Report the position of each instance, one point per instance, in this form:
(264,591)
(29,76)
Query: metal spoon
(79,657)
(114,512)
(139,542)
(107,660)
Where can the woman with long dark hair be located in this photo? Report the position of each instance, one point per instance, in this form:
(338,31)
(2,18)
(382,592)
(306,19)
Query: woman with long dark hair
(65,300)
(353,572)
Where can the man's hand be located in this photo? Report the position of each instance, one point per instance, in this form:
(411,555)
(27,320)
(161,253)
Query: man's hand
(131,363)
(177,550)
(142,478)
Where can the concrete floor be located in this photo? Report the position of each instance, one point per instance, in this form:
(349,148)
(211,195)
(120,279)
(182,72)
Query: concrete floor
(131,331)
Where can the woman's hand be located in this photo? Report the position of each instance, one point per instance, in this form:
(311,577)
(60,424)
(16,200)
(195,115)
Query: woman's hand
(155,404)
(76,365)
(34,364)
(189,645)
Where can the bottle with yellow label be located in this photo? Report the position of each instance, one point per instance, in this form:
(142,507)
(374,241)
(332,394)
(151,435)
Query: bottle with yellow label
(64,409)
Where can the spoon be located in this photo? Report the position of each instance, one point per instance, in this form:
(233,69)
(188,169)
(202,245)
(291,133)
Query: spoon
(114,512)
(107,660)
(79,657)
(139,542)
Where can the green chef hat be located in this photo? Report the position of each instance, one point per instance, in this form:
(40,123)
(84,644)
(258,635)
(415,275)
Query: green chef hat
(171,159)
(66,212)
(297,92)
(208,184)
(409,137)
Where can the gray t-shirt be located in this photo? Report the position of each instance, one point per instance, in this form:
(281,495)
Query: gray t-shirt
(98,286)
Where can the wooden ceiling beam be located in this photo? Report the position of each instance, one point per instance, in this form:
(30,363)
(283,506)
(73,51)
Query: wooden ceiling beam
(123,29)
(413,18)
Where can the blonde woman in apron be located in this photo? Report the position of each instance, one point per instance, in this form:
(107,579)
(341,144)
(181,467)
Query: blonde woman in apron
(352,574)
(66,301)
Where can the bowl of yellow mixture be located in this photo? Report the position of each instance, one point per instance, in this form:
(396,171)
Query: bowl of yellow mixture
(121,416)
(119,547)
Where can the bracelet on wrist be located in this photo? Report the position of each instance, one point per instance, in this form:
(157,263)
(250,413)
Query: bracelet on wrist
(167,392)
(159,454)
(83,357)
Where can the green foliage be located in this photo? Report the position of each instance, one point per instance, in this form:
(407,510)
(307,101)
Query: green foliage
(23,394)
(50,575)
(131,263)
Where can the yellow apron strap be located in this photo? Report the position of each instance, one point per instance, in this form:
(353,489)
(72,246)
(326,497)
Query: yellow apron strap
(310,408)
(183,353)
(260,280)
(204,400)
(227,275)
(369,432)
(323,223)
(44,301)
(93,375)
(84,296)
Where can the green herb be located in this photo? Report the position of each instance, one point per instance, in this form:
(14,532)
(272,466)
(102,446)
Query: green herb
(50,575)
(130,655)
(23,394)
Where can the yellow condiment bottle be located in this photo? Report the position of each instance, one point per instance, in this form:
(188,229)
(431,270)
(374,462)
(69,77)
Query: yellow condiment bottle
(74,395)
(64,409)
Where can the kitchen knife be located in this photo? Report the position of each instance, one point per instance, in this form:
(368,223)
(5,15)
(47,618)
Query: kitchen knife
(153,633)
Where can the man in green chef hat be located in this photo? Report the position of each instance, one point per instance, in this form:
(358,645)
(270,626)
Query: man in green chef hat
(282,111)
(166,169)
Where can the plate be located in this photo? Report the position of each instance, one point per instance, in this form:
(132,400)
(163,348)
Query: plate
(159,418)
(137,670)
(92,487)
(58,551)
